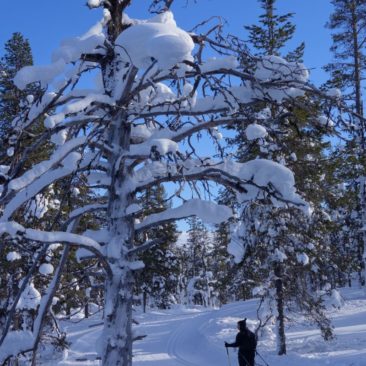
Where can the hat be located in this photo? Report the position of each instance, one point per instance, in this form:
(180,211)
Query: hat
(242,324)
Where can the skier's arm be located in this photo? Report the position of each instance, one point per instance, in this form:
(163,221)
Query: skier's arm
(235,344)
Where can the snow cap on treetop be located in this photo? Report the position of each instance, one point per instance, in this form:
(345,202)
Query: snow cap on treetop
(157,39)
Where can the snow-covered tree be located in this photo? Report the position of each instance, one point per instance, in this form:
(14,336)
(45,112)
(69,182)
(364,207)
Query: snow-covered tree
(347,73)
(156,90)
(16,258)
(291,133)
(156,284)
(198,273)
(17,55)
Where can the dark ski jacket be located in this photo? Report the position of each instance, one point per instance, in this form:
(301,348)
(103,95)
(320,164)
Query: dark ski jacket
(245,340)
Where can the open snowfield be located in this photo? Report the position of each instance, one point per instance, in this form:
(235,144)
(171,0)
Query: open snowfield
(195,337)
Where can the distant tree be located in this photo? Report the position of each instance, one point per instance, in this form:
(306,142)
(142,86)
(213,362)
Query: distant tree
(349,36)
(17,55)
(156,283)
(273,33)
(199,276)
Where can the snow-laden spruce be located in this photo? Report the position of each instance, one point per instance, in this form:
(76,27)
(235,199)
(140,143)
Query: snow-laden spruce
(135,130)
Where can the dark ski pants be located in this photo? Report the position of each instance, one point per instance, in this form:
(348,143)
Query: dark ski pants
(246,359)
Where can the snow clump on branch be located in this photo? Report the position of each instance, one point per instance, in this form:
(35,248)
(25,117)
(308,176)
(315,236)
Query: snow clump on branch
(254,132)
(157,39)
(276,68)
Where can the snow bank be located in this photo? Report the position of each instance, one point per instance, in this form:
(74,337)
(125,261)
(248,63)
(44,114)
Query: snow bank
(15,342)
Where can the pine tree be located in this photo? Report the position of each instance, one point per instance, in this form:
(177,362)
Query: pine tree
(157,282)
(347,73)
(198,274)
(17,55)
(274,32)
(349,35)
(292,136)
(38,212)
(17,258)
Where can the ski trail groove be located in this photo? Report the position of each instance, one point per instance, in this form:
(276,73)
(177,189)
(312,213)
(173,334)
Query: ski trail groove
(190,345)
(175,342)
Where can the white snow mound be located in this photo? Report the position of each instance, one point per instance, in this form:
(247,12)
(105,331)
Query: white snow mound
(156,39)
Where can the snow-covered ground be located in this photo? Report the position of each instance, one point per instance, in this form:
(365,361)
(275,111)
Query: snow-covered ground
(195,337)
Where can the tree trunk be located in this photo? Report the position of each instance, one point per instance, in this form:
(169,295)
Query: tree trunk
(280,320)
(359,110)
(117,333)
(144,301)
(357,61)
(86,310)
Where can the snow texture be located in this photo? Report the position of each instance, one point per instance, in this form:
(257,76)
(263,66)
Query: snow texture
(163,146)
(71,49)
(68,165)
(12,228)
(30,298)
(15,342)
(279,256)
(46,269)
(43,74)
(41,168)
(334,93)
(207,211)
(213,63)
(255,131)
(325,121)
(157,39)
(13,256)
(94,3)
(276,68)
(195,336)
(303,258)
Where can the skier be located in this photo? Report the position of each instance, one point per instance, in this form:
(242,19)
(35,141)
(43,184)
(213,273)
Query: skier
(247,343)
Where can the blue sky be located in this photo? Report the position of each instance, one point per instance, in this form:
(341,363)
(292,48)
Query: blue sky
(46,22)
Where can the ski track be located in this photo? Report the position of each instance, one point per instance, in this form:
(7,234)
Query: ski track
(195,337)
(178,346)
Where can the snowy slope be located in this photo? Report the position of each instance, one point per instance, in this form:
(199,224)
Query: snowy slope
(195,337)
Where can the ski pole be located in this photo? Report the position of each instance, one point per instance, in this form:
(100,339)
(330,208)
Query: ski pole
(228,356)
(261,358)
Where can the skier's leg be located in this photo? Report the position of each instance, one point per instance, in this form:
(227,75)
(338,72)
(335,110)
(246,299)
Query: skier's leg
(241,360)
